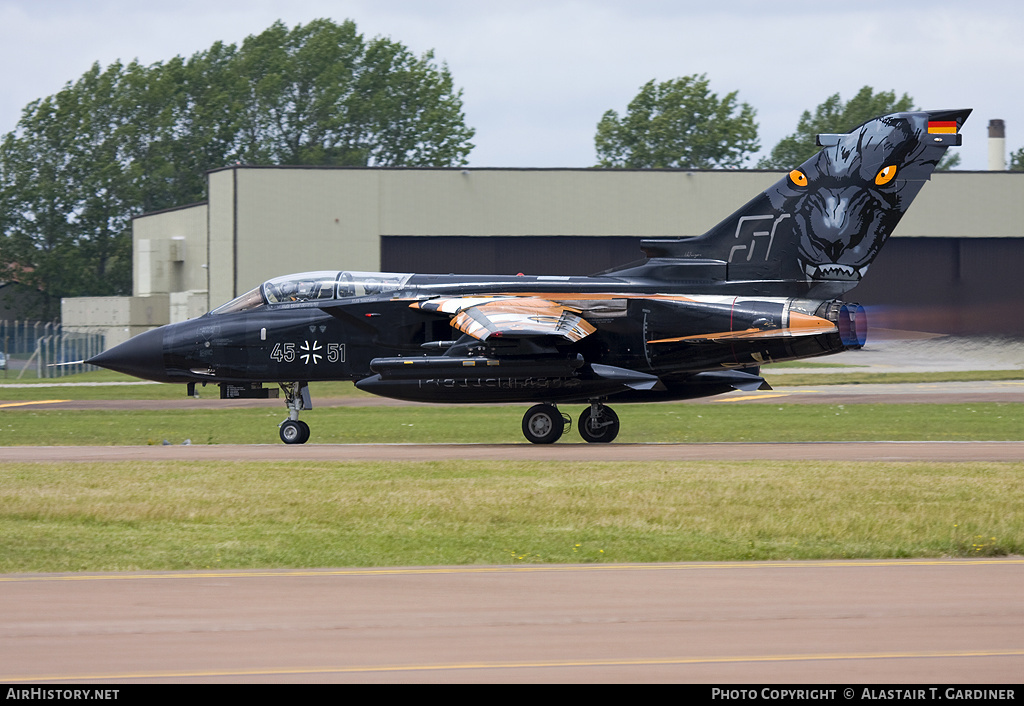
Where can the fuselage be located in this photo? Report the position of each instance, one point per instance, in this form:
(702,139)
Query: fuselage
(366,327)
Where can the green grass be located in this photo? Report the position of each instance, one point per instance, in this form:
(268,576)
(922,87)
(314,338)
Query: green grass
(165,516)
(678,423)
(98,390)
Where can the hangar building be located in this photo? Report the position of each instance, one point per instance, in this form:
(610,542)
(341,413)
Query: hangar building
(952,265)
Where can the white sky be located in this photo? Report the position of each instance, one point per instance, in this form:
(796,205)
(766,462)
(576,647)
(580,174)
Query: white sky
(538,74)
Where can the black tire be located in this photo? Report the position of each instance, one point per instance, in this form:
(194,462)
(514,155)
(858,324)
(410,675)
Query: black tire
(294,431)
(604,431)
(543,424)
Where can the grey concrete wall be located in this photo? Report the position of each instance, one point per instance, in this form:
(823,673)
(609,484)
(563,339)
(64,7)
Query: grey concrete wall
(117,318)
(169,251)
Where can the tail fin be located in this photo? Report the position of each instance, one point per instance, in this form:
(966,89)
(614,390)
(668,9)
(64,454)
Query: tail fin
(820,227)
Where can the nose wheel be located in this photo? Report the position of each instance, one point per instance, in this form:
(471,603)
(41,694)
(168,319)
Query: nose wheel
(296,396)
(294,431)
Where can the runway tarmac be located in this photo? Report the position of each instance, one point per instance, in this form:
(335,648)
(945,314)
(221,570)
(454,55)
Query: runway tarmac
(838,623)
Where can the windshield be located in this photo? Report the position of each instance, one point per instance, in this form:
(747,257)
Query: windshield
(249,300)
(316,286)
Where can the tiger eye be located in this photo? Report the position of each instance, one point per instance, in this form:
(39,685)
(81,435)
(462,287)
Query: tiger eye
(798,177)
(886,175)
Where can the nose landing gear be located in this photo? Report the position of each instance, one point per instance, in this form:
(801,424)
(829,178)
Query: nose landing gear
(296,395)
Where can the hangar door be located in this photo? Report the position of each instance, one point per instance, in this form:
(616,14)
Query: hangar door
(507,255)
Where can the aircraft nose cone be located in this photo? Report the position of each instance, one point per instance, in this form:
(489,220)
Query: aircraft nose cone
(141,356)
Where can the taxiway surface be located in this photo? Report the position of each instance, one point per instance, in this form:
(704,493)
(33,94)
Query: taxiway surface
(950,451)
(843,622)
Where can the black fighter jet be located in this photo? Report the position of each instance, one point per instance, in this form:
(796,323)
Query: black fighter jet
(696,317)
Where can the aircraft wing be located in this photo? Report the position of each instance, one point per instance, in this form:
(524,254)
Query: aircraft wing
(511,317)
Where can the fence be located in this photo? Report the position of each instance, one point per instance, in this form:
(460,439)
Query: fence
(50,350)
(20,337)
(61,354)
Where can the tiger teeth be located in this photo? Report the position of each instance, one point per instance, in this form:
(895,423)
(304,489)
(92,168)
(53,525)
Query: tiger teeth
(830,270)
(835,271)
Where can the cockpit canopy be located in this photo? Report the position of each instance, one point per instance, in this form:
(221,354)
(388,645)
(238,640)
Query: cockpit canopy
(316,286)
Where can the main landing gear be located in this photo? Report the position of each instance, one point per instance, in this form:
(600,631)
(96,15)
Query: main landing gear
(544,424)
(296,395)
(599,424)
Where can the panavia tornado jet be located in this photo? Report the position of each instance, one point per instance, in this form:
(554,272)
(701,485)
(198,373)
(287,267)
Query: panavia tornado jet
(696,317)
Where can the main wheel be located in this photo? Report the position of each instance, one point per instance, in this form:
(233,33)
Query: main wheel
(600,430)
(543,424)
(294,431)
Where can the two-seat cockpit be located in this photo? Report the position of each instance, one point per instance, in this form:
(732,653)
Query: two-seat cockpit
(316,287)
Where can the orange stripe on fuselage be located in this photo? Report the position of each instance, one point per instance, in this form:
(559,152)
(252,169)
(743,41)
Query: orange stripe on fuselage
(807,322)
(799,325)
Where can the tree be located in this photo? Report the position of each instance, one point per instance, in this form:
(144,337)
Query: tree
(679,123)
(125,140)
(62,192)
(1017,161)
(832,116)
(321,94)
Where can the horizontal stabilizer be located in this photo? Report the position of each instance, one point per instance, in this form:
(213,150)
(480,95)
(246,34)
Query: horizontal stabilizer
(737,378)
(630,378)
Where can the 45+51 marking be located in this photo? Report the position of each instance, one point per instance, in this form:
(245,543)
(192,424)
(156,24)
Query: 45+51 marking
(308,352)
